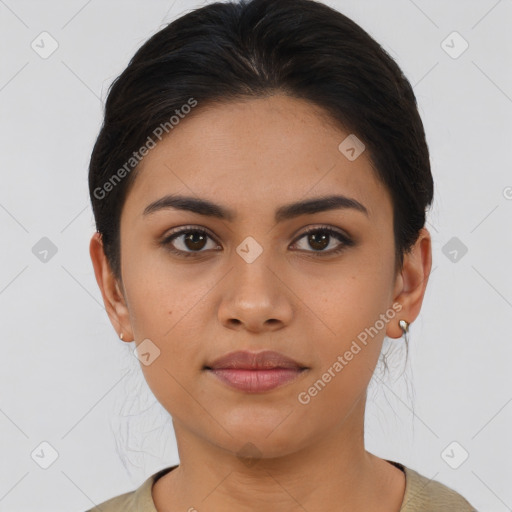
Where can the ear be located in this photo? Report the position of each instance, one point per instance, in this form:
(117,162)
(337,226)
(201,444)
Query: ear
(411,283)
(111,290)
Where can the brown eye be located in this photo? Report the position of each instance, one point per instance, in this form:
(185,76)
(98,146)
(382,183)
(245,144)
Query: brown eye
(188,241)
(194,240)
(320,238)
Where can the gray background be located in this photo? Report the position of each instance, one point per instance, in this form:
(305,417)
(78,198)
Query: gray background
(65,377)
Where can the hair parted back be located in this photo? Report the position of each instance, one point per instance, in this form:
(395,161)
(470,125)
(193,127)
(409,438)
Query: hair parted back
(251,49)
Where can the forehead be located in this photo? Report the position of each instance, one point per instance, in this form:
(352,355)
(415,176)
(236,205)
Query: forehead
(253,153)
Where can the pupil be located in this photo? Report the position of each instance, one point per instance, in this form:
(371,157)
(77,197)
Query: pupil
(322,244)
(193,238)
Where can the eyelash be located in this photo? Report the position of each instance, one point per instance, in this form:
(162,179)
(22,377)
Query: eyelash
(345,241)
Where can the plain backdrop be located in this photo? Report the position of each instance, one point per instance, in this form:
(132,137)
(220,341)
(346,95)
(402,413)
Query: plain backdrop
(72,397)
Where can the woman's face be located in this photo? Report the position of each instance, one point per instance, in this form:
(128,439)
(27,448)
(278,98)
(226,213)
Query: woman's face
(256,283)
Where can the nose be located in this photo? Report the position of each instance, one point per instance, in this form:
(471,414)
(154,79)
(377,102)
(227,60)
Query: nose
(255,298)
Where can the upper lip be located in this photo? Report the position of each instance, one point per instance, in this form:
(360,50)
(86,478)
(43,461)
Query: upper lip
(245,360)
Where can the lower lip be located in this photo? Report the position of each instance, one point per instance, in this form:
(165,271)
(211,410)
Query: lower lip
(256,381)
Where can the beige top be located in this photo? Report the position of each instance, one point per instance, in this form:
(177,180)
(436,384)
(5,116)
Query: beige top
(421,495)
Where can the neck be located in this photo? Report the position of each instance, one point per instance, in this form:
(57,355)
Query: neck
(334,473)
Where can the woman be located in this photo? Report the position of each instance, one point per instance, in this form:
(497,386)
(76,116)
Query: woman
(259,187)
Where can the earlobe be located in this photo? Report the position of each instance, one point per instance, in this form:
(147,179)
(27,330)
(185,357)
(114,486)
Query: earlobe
(113,298)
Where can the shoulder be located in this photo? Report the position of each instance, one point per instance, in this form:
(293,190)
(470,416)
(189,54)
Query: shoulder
(139,500)
(423,494)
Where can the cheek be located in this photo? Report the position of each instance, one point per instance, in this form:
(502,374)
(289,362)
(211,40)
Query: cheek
(353,301)
(155,298)
(350,308)
(348,351)
(169,310)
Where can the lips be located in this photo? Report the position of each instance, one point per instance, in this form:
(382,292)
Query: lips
(255,372)
(243,360)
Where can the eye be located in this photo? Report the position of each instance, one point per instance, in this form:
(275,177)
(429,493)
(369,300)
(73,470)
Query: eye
(321,237)
(190,241)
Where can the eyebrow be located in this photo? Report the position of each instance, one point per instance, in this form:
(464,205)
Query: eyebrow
(286,212)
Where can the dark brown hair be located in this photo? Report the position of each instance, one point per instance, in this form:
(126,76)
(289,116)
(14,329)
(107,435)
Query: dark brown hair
(253,48)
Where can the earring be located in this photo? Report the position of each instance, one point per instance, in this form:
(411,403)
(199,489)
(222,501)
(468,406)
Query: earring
(121,336)
(404,325)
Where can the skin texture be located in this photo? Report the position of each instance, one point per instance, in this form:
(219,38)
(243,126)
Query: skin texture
(254,156)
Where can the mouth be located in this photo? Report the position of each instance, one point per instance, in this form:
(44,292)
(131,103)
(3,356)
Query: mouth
(255,372)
